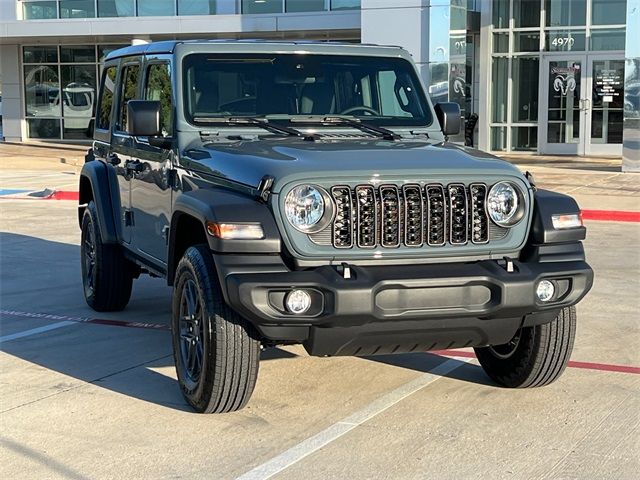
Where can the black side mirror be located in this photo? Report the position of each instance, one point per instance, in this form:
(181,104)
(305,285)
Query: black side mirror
(448,114)
(143,118)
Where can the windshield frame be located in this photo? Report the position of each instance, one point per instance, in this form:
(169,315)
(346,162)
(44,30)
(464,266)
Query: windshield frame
(426,121)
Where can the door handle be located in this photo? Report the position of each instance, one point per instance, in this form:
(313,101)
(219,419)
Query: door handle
(113,159)
(134,166)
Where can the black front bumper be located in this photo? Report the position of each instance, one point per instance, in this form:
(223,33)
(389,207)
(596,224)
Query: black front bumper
(388,309)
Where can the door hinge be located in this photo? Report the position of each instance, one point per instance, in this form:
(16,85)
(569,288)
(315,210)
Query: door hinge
(128,218)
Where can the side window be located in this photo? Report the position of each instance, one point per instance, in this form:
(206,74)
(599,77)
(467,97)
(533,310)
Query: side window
(158,88)
(128,91)
(106,98)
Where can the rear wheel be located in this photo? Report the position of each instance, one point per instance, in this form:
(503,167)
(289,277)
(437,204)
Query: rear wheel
(107,276)
(536,356)
(216,351)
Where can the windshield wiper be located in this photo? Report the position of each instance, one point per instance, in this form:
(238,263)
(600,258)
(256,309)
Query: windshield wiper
(258,123)
(355,123)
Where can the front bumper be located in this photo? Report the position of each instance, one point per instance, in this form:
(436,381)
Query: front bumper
(388,309)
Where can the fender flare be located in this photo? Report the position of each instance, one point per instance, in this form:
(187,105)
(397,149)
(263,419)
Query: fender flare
(98,184)
(547,203)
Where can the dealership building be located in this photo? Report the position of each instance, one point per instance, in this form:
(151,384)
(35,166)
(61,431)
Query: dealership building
(542,76)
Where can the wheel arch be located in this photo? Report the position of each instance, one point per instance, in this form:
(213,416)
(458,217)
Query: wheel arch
(97,184)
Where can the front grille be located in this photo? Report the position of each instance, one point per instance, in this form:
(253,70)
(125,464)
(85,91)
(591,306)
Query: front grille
(387,216)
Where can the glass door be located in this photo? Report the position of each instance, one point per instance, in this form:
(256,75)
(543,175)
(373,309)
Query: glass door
(605,105)
(562,110)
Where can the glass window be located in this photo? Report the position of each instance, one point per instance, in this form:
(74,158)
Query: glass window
(525,72)
(524,138)
(501,42)
(128,91)
(77,8)
(78,54)
(380,91)
(565,41)
(526,42)
(115,8)
(566,12)
(261,6)
(345,4)
(304,5)
(438,82)
(40,54)
(196,7)
(39,10)
(159,88)
(77,128)
(78,93)
(608,12)
(498,139)
(458,18)
(45,128)
(106,98)
(499,77)
(500,14)
(157,8)
(607,40)
(104,50)
(42,90)
(526,13)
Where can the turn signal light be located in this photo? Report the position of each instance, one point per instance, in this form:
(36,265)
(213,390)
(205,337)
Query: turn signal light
(235,231)
(562,222)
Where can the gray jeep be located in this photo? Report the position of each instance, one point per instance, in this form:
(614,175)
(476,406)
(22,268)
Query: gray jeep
(306,193)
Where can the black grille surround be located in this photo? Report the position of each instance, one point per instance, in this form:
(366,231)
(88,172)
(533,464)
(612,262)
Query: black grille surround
(389,216)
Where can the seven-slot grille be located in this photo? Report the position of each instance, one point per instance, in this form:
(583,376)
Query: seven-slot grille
(412,215)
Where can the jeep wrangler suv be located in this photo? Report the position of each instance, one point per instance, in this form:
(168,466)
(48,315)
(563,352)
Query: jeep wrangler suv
(306,193)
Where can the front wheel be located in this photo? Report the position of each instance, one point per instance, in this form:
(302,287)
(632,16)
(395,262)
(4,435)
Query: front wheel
(216,351)
(535,357)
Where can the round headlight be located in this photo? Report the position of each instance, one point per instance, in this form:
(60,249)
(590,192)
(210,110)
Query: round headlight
(304,207)
(505,204)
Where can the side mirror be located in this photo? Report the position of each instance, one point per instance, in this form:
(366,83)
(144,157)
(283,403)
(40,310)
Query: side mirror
(448,114)
(143,118)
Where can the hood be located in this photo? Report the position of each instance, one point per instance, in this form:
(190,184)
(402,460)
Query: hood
(290,160)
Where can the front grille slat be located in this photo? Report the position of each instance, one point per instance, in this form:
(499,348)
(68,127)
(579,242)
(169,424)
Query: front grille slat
(411,215)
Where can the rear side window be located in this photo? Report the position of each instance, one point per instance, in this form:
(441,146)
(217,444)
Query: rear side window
(128,91)
(158,88)
(106,98)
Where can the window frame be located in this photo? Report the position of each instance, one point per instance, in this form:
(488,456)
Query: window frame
(150,62)
(124,64)
(100,132)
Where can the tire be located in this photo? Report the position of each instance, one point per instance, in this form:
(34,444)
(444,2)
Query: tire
(107,276)
(216,352)
(535,357)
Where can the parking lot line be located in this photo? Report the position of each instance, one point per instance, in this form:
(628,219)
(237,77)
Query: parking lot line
(338,429)
(34,331)
(95,321)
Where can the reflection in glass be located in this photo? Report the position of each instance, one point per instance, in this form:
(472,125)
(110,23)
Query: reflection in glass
(45,128)
(500,13)
(524,138)
(526,42)
(499,78)
(565,41)
(158,8)
(439,82)
(77,9)
(345,4)
(607,101)
(159,89)
(607,40)
(261,6)
(39,10)
(48,54)
(42,91)
(564,102)
(104,50)
(78,54)
(498,139)
(78,96)
(196,7)
(106,98)
(72,132)
(129,89)
(501,42)
(566,12)
(526,13)
(608,12)
(304,5)
(115,8)
(525,89)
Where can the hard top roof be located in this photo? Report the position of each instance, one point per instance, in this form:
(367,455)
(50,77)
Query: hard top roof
(169,46)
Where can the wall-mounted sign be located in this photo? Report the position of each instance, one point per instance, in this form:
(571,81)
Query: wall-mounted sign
(608,84)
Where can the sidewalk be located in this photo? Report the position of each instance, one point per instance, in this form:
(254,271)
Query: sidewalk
(597,183)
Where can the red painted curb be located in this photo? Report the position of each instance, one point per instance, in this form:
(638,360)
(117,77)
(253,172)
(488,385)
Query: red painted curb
(611,215)
(605,367)
(64,195)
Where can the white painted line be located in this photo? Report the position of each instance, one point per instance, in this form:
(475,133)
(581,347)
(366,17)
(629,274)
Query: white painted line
(34,331)
(337,430)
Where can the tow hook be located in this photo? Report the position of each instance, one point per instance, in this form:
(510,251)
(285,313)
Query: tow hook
(508,265)
(345,270)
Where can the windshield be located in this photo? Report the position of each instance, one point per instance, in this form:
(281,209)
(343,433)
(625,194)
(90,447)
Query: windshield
(380,91)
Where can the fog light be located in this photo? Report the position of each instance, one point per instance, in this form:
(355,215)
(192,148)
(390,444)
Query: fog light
(298,301)
(545,290)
